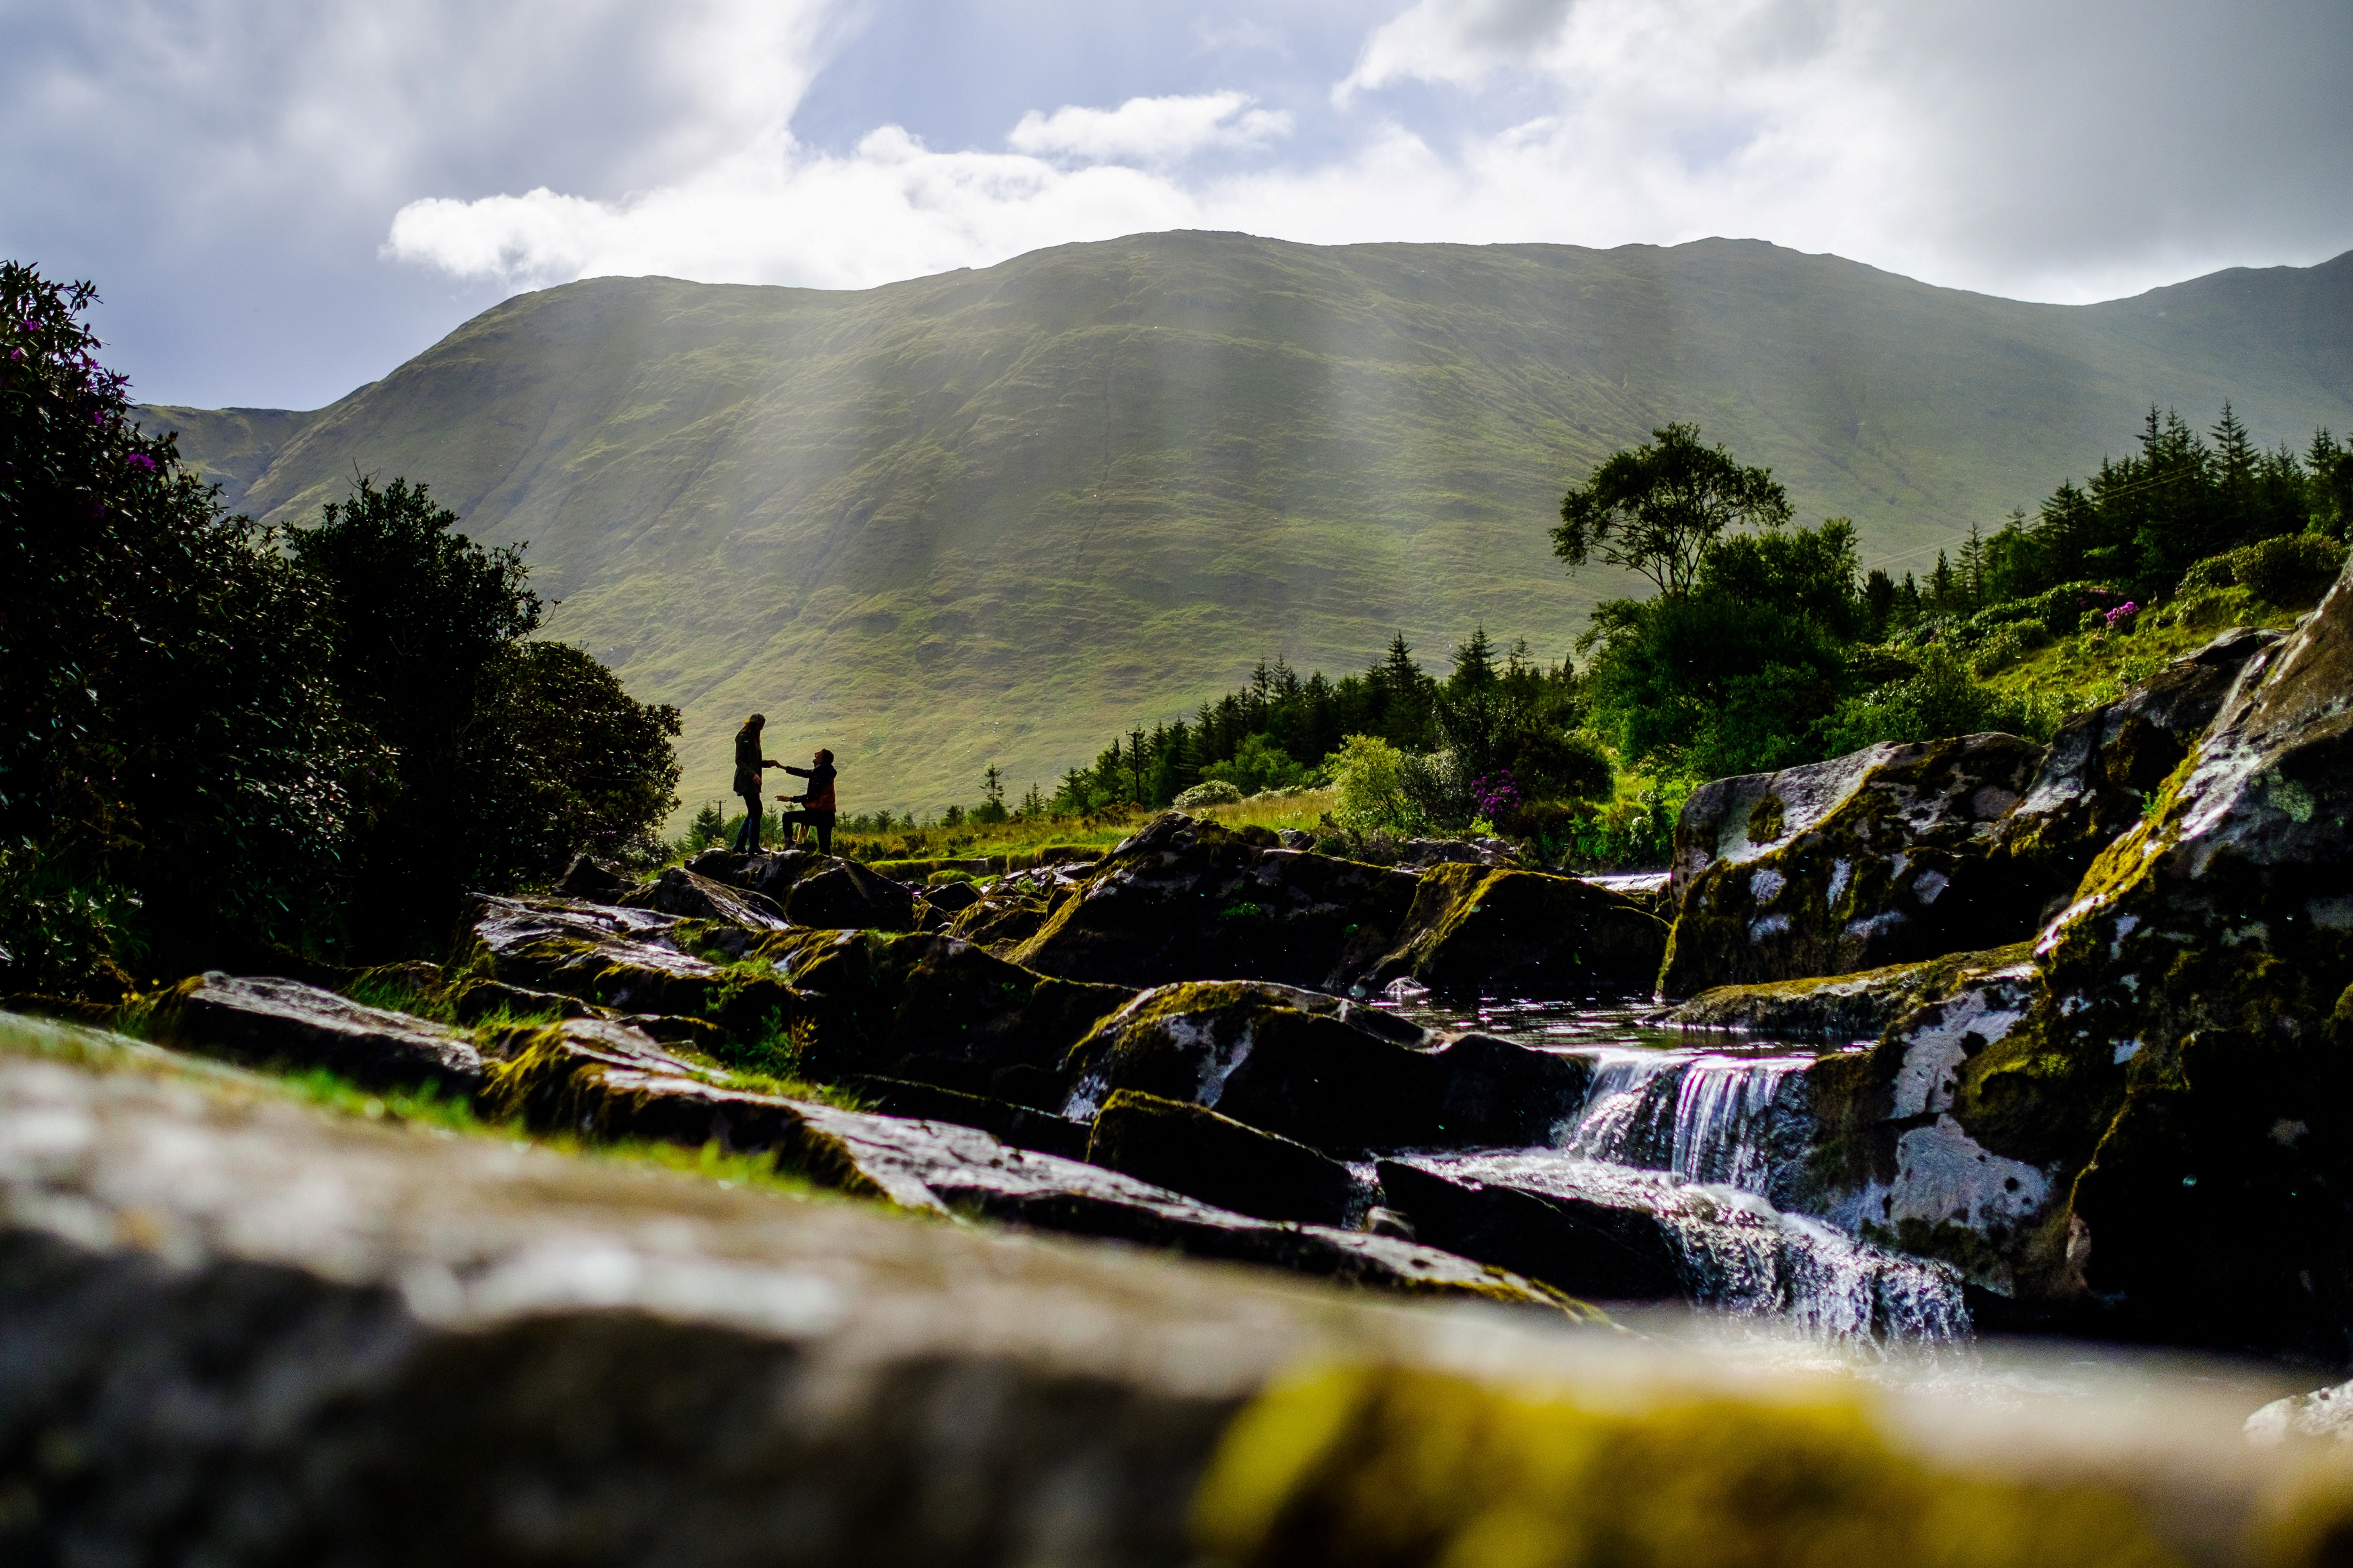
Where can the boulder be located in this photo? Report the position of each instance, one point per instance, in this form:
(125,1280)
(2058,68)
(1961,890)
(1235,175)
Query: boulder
(846,896)
(2190,1052)
(934,1008)
(1331,1073)
(285,1023)
(592,881)
(952,898)
(1189,899)
(1881,857)
(1844,1009)
(1004,917)
(1890,1160)
(621,959)
(679,891)
(1192,1150)
(1016,1125)
(1614,1252)
(1897,854)
(1472,929)
(2102,768)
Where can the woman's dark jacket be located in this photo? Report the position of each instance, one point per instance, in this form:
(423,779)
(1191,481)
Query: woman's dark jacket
(748,762)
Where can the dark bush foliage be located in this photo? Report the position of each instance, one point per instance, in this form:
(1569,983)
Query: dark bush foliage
(175,768)
(220,741)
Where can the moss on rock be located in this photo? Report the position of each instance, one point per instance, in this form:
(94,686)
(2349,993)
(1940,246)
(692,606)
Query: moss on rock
(1402,1467)
(1475,928)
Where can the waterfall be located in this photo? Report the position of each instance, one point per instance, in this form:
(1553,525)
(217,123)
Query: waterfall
(1706,1117)
(1737,1253)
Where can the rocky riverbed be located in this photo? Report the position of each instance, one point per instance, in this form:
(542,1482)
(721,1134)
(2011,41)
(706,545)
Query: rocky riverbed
(1933,1041)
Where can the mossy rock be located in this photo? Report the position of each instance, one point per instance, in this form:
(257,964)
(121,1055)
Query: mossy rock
(1186,900)
(1479,931)
(1874,858)
(1193,1149)
(1381,1464)
(930,1008)
(1838,1009)
(2188,1061)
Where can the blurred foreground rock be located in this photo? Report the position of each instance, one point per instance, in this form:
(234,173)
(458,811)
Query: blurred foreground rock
(237,1328)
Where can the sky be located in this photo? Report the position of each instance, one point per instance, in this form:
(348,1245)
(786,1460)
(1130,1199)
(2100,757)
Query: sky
(280,203)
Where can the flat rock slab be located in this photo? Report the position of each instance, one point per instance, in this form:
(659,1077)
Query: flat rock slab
(283,1023)
(240,1329)
(597,1080)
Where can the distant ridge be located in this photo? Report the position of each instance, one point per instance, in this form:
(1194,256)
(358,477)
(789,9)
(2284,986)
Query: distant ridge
(995,515)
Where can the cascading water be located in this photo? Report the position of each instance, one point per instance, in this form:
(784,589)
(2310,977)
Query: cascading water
(1699,1139)
(1706,1117)
(1735,1252)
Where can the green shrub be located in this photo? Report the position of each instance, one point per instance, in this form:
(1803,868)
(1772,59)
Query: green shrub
(1369,784)
(2008,643)
(1210,792)
(1938,701)
(1437,796)
(2293,571)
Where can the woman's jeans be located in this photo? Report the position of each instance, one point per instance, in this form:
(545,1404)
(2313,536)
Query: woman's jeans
(747,838)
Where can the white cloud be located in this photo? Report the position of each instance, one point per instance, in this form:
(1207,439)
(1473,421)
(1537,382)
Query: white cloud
(892,208)
(1460,42)
(1149,129)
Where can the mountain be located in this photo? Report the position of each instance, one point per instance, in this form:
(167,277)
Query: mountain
(997,515)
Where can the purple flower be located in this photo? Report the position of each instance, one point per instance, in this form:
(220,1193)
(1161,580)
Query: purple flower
(141,460)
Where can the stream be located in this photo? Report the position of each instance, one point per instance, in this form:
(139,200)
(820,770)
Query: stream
(1698,1134)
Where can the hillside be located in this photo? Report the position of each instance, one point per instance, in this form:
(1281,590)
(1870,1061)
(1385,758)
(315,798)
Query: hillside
(993,515)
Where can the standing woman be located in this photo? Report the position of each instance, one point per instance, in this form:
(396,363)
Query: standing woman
(748,764)
(817,804)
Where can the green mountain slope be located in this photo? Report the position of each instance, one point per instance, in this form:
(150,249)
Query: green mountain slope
(994,515)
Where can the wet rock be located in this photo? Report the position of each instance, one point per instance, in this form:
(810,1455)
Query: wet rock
(1186,899)
(936,1009)
(620,959)
(1472,929)
(1615,1253)
(285,1023)
(679,891)
(2190,1052)
(1382,1221)
(1332,1074)
(2103,766)
(1295,838)
(1840,1010)
(592,881)
(1020,1126)
(1192,1150)
(1890,1159)
(1881,857)
(2325,1413)
(846,896)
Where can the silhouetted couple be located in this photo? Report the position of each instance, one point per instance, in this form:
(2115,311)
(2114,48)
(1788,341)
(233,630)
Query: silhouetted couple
(817,805)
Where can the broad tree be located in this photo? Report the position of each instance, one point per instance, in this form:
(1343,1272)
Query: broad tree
(1660,509)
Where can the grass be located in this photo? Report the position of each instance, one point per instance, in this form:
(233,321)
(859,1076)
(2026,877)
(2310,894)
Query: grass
(2089,670)
(425,1109)
(1000,515)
